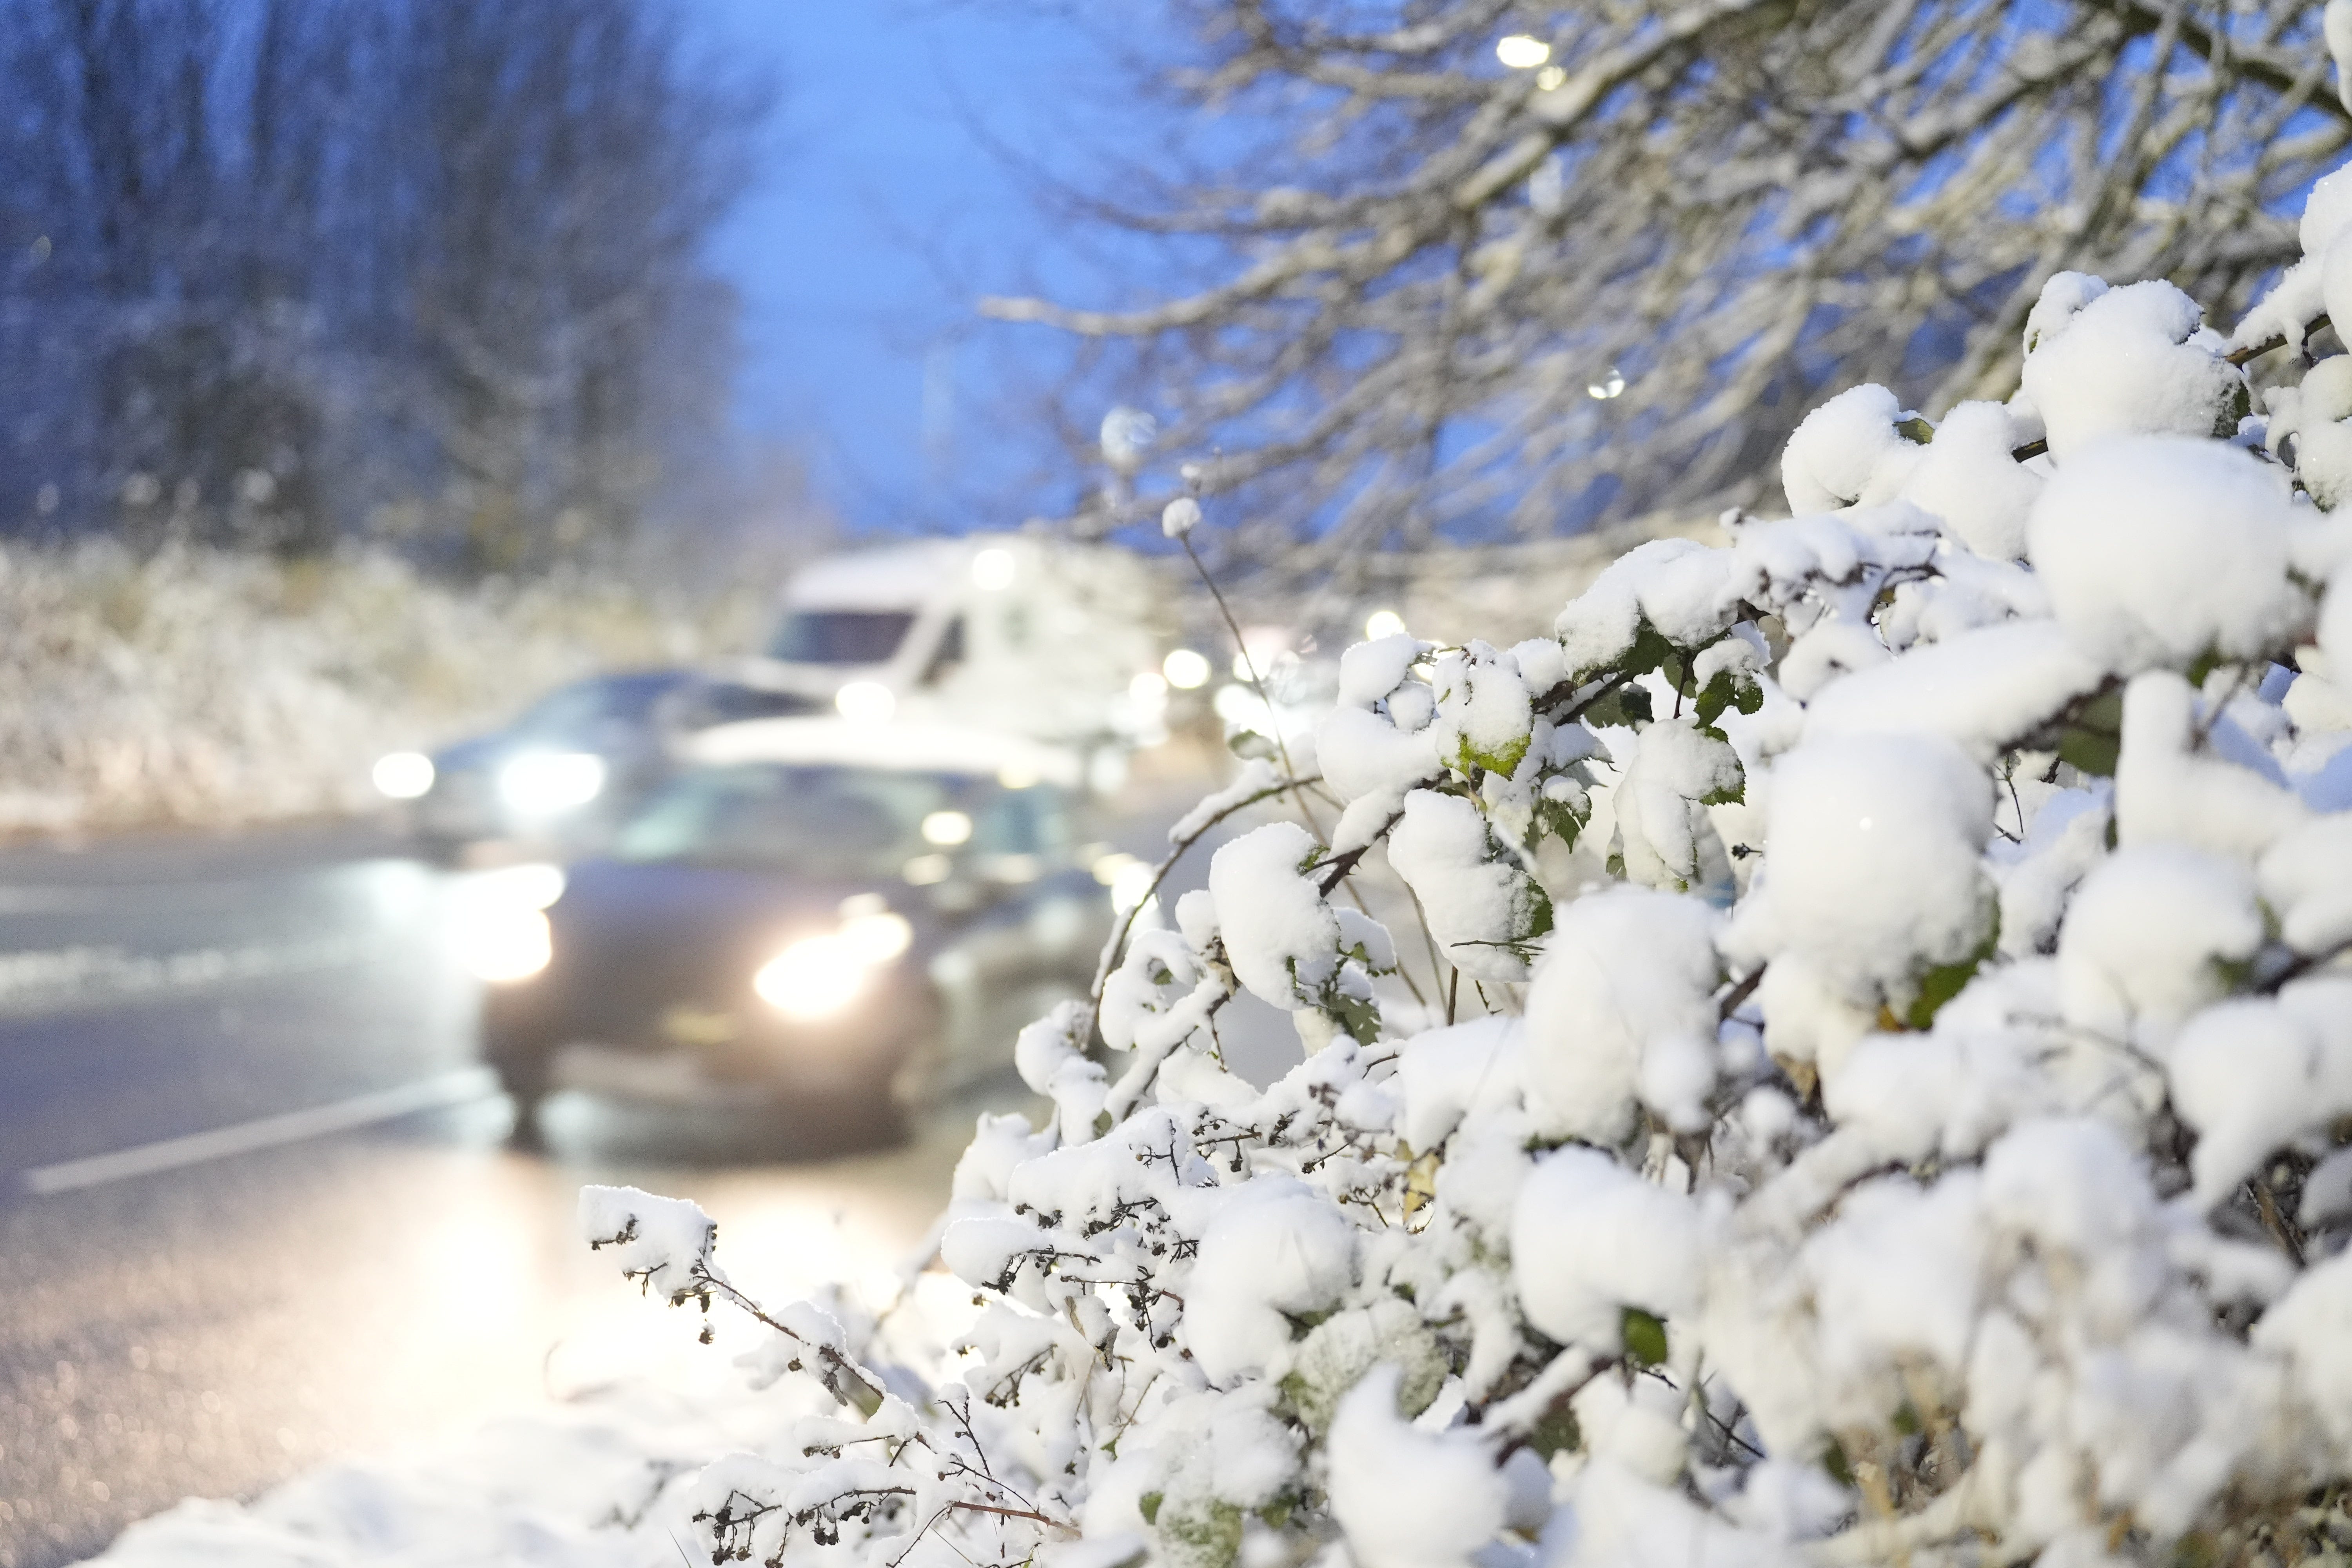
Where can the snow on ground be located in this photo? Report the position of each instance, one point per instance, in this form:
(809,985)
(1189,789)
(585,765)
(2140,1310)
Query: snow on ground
(592,1483)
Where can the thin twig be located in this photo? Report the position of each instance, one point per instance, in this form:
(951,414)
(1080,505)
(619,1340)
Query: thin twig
(1249,667)
(1113,950)
(1336,868)
(1734,998)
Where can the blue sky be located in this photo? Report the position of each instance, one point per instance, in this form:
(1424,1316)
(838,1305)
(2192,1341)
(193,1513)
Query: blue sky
(880,217)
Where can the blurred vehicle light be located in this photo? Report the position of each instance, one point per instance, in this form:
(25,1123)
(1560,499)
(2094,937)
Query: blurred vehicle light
(947,827)
(878,938)
(865,702)
(1383,623)
(1240,705)
(403,775)
(992,569)
(928,870)
(503,942)
(531,886)
(817,976)
(541,784)
(1185,669)
(1127,877)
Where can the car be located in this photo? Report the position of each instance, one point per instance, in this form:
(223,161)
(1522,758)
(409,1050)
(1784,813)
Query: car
(562,775)
(836,921)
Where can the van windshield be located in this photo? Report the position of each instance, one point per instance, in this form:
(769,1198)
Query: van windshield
(839,637)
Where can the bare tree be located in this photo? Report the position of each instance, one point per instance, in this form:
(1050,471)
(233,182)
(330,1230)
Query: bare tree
(277,268)
(1460,295)
(570,174)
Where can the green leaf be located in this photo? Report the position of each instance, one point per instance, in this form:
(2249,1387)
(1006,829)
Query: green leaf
(1148,1507)
(1629,704)
(1650,651)
(1733,794)
(2093,738)
(1729,688)
(2234,409)
(1833,1461)
(1560,820)
(1557,1432)
(1919,433)
(1358,1018)
(1504,759)
(2197,1549)
(1644,1337)
(1946,980)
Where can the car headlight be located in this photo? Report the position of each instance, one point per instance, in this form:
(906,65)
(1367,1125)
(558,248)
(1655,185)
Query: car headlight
(403,775)
(818,976)
(506,943)
(500,926)
(539,783)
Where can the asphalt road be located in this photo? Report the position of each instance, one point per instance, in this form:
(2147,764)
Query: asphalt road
(214,1278)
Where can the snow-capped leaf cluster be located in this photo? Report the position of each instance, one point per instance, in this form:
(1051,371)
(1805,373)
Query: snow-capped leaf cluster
(1929,1140)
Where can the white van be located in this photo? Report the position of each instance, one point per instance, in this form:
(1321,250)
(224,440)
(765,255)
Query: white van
(1021,635)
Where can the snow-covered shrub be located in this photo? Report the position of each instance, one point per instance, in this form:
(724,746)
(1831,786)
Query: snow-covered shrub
(1900,1109)
(213,686)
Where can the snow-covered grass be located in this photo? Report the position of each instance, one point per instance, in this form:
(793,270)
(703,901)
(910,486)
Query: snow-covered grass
(208,687)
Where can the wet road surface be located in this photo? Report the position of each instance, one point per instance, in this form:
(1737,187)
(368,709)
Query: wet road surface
(187,1313)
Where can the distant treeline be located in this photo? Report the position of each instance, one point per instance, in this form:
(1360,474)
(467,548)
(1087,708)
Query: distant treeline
(278,272)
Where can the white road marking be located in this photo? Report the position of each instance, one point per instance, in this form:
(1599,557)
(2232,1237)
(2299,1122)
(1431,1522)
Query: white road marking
(55,978)
(461,1086)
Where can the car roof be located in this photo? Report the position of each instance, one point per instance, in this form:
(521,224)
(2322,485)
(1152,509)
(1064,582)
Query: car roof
(910,748)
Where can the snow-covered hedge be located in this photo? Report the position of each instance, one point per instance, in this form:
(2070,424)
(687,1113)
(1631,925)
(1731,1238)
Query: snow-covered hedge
(210,686)
(1928,1143)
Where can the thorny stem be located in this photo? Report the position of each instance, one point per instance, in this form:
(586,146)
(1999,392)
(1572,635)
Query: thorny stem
(946,1509)
(843,1379)
(1335,870)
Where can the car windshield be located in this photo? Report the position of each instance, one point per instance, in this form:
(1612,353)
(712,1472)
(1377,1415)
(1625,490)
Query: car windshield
(839,637)
(625,699)
(825,821)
